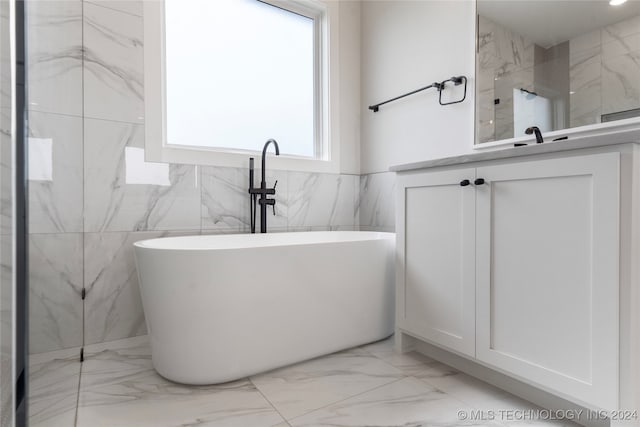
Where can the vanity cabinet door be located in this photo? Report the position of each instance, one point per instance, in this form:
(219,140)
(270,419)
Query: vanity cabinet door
(547,272)
(436,234)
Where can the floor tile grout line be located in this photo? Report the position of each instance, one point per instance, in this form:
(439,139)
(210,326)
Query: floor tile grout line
(403,377)
(75,418)
(268,401)
(500,394)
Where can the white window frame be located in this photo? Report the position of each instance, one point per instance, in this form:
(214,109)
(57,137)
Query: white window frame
(326,132)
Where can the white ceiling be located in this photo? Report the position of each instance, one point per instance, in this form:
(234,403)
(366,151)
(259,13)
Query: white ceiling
(549,22)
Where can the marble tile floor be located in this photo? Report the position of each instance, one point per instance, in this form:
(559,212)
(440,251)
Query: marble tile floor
(369,385)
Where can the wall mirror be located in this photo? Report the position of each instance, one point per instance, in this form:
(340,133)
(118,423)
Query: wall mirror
(555,65)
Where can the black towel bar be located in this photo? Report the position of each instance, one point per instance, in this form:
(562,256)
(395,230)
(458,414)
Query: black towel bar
(457,80)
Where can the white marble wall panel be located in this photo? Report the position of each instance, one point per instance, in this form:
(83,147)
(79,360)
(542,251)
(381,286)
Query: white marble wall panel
(503,51)
(605,72)
(621,46)
(225,199)
(55,285)
(321,200)
(113,308)
(54,42)
(585,42)
(621,83)
(621,66)
(113,64)
(376,206)
(115,201)
(621,30)
(133,7)
(585,86)
(55,201)
(505,62)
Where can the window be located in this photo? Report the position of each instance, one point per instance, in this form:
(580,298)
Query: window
(227,75)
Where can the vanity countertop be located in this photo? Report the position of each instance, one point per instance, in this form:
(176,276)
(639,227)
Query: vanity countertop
(591,141)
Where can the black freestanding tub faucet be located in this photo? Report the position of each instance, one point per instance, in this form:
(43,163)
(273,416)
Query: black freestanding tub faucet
(263,191)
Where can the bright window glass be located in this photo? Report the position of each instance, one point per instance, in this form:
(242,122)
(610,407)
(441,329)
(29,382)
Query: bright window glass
(250,79)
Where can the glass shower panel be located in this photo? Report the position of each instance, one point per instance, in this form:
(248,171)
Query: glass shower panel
(7,135)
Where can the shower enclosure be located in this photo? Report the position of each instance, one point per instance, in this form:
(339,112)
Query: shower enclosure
(12,216)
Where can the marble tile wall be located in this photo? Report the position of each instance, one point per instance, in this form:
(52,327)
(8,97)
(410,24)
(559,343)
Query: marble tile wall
(377,201)
(91,195)
(505,60)
(605,72)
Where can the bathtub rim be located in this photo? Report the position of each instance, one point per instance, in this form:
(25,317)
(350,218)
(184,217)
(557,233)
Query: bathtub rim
(236,241)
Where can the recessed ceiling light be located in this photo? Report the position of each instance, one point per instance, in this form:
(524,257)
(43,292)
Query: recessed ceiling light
(616,2)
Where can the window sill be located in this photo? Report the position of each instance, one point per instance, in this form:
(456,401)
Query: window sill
(236,158)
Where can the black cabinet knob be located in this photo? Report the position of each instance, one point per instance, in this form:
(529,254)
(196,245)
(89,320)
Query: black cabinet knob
(464,183)
(479,181)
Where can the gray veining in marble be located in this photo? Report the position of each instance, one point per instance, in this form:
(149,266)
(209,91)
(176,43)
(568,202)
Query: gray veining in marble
(54,59)
(55,205)
(133,7)
(321,199)
(115,202)
(113,64)
(113,307)
(370,385)
(585,86)
(584,42)
(620,30)
(55,284)
(406,402)
(376,206)
(621,78)
(225,199)
(53,388)
(505,62)
(503,50)
(301,388)
(605,72)
(119,387)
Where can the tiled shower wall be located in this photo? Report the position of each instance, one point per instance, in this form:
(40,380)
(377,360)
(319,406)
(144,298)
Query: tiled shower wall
(605,71)
(86,108)
(506,60)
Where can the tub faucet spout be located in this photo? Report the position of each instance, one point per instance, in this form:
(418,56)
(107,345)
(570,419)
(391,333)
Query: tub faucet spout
(263,191)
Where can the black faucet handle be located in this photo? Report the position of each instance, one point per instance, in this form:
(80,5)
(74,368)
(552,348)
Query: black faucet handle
(274,185)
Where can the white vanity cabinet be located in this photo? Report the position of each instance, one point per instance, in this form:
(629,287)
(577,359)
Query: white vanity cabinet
(437,298)
(518,270)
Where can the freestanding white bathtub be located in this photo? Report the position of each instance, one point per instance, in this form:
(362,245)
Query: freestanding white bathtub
(220,308)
